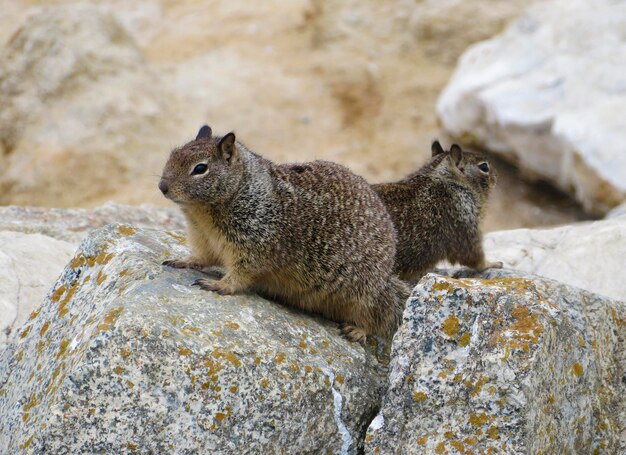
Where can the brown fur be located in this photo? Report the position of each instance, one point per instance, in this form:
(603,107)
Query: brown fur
(437,212)
(312,235)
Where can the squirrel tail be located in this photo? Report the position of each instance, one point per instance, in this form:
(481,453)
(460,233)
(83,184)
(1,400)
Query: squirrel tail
(391,305)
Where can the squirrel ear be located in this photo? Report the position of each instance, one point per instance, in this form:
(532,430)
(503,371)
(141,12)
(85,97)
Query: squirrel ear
(226,146)
(436,148)
(205,131)
(457,153)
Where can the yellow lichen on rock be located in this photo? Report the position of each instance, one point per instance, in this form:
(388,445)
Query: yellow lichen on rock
(227,355)
(56,295)
(577,369)
(451,326)
(126,230)
(110,318)
(464,340)
(62,348)
(478,419)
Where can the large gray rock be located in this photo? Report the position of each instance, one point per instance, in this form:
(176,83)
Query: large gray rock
(125,355)
(587,255)
(549,94)
(506,364)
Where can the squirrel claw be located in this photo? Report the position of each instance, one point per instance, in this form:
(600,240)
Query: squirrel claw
(216,286)
(205,284)
(352,333)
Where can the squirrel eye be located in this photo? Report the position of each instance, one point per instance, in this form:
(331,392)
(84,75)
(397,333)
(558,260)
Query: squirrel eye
(199,169)
(484,167)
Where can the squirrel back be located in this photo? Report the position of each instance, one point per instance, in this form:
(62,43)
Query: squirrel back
(437,211)
(312,235)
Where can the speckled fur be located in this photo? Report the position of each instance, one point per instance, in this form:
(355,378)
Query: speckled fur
(312,235)
(437,212)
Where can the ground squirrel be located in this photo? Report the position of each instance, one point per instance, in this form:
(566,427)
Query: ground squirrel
(437,211)
(313,235)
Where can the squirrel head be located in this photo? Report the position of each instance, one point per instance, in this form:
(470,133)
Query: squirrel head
(470,167)
(207,170)
(473,167)
(477,170)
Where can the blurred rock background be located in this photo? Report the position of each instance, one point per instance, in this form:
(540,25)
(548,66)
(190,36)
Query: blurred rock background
(93,96)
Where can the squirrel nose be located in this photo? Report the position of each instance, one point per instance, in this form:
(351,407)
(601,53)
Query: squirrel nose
(163,187)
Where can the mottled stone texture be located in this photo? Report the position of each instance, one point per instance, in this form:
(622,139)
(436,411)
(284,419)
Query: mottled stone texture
(73,225)
(504,365)
(29,265)
(36,243)
(125,355)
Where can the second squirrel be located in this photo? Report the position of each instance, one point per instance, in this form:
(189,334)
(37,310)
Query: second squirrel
(437,211)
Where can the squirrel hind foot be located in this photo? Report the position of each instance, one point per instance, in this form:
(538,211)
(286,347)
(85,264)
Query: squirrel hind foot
(488,265)
(352,332)
(204,284)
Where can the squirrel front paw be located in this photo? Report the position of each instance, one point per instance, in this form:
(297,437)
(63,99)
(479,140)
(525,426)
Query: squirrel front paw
(183,264)
(494,265)
(221,287)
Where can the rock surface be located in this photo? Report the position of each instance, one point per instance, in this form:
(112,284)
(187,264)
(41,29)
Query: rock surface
(29,265)
(506,364)
(73,225)
(36,243)
(587,255)
(548,94)
(125,355)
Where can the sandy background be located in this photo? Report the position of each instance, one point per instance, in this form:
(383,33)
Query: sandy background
(351,81)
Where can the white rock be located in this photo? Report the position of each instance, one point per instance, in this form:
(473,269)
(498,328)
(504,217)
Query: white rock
(587,255)
(549,94)
(29,265)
